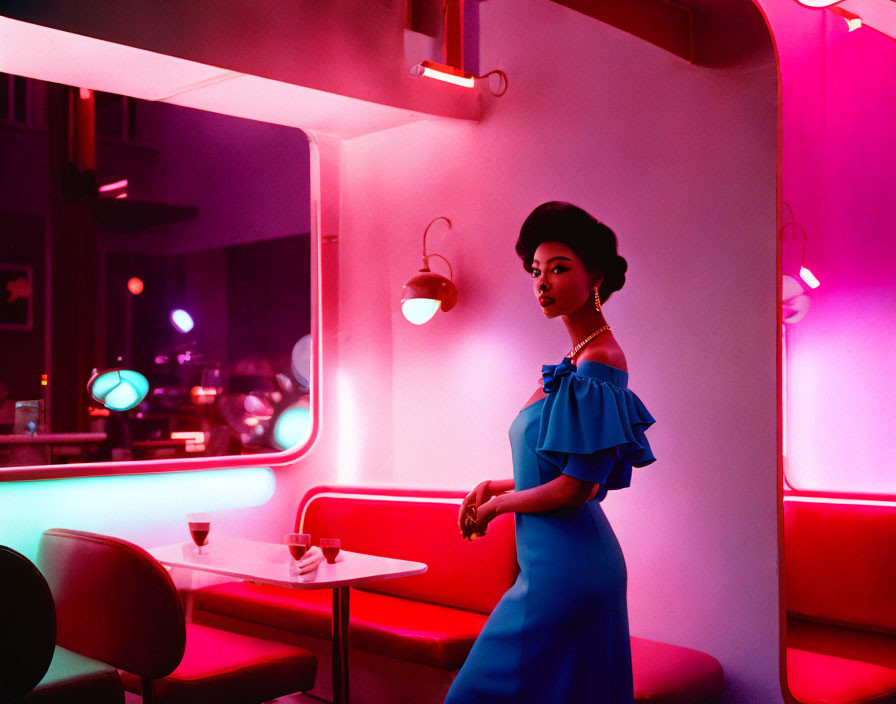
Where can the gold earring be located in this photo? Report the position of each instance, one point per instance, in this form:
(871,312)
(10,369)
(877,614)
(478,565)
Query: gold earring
(596,301)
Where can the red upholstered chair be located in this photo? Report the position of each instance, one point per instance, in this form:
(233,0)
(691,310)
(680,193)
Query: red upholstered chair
(32,667)
(671,674)
(116,603)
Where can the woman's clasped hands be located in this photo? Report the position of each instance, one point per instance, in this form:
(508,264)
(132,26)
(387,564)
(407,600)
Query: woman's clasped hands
(476,511)
(312,559)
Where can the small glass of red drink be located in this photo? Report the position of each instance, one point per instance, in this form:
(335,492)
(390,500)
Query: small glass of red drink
(330,548)
(200,524)
(298,544)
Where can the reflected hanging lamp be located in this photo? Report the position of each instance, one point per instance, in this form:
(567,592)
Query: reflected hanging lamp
(118,389)
(797,281)
(427,292)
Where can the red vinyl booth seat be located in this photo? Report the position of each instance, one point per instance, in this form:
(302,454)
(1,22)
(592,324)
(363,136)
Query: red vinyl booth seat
(841,610)
(428,621)
(400,628)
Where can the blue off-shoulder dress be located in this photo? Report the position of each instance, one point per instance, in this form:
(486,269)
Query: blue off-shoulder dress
(560,634)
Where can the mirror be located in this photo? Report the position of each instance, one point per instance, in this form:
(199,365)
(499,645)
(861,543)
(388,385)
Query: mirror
(142,240)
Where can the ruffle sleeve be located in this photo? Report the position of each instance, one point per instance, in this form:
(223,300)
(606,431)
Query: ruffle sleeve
(594,430)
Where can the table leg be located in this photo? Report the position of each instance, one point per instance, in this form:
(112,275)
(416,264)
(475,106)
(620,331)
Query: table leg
(340,645)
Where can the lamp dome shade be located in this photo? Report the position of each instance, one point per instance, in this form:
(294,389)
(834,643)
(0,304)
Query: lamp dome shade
(795,299)
(431,287)
(118,389)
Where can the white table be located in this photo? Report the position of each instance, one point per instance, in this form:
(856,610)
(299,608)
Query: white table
(269,563)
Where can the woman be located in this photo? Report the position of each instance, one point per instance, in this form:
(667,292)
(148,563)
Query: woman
(560,633)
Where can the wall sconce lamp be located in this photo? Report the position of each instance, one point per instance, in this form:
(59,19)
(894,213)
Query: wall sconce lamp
(818,3)
(796,283)
(426,292)
(459,77)
(853,21)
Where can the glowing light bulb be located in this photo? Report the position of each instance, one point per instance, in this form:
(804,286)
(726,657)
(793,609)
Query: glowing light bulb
(114,186)
(809,278)
(449,74)
(420,310)
(135,285)
(181,320)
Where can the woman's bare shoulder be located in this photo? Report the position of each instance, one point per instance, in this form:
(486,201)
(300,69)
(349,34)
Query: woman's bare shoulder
(608,354)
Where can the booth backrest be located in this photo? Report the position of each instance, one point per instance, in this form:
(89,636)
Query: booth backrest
(114,601)
(841,563)
(421,525)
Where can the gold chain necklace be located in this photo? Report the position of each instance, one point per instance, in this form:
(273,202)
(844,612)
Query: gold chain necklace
(575,350)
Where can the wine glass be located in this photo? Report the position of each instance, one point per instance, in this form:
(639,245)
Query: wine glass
(298,544)
(200,524)
(330,548)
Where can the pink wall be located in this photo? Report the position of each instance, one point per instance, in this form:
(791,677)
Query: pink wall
(680,161)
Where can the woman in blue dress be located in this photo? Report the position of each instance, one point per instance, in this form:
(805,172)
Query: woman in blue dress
(560,634)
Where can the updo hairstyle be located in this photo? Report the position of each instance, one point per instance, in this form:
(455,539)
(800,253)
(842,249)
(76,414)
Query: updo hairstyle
(592,241)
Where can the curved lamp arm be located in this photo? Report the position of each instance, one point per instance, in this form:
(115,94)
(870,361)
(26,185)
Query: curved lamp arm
(427,256)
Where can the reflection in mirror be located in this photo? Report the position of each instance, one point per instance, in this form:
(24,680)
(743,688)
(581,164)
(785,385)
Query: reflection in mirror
(155,296)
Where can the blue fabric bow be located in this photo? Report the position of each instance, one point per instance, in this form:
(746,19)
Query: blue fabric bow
(551,373)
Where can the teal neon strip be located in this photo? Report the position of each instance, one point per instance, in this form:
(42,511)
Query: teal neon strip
(148,509)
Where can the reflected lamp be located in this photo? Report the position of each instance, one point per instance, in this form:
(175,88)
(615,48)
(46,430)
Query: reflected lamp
(118,389)
(292,427)
(797,282)
(181,320)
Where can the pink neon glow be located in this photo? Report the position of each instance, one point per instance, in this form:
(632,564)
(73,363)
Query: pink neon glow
(85,93)
(377,497)
(809,278)
(114,186)
(204,391)
(195,439)
(448,78)
(784,404)
(122,195)
(203,395)
(861,502)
